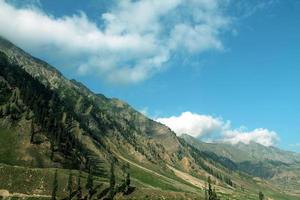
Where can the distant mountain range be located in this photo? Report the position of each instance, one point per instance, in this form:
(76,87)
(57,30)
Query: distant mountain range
(48,122)
(242,152)
(278,166)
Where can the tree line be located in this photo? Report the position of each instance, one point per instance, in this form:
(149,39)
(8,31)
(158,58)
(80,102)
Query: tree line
(75,189)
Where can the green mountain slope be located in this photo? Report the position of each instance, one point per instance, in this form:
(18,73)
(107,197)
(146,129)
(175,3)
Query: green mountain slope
(48,121)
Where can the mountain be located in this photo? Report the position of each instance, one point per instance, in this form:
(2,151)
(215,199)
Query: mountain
(245,152)
(279,166)
(50,124)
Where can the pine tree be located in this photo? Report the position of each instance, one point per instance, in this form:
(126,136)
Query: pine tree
(90,184)
(205,192)
(55,187)
(79,189)
(125,186)
(70,185)
(211,193)
(31,131)
(214,195)
(52,150)
(261,196)
(112,181)
(127,182)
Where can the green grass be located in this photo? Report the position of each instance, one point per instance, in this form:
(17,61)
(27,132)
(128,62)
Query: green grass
(38,181)
(29,198)
(8,147)
(151,179)
(16,149)
(176,183)
(28,181)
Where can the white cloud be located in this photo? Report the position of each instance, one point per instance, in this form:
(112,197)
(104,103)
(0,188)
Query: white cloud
(259,135)
(198,125)
(194,124)
(132,41)
(190,37)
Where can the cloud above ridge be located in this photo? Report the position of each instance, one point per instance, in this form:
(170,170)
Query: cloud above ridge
(200,126)
(194,124)
(131,41)
(259,135)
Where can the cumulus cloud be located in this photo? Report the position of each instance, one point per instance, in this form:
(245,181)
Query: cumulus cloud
(260,135)
(198,125)
(131,41)
(194,124)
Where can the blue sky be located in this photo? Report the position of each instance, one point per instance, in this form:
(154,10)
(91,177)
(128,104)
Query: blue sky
(222,69)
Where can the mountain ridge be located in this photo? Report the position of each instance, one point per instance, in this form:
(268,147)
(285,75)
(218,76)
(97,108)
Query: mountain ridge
(265,153)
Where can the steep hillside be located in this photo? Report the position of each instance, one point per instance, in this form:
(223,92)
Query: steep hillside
(94,115)
(278,166)
(48,121)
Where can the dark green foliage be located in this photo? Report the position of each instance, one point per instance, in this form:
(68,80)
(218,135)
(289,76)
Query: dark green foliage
(261,196)
(210,193)
(79,188)
(5,93)
(32,131)
(228,181)
(112,181)
(70,185)
(90,185)
(55,187)
(127,182)
(205,193)
(95,164)
(125,185)
(103,193)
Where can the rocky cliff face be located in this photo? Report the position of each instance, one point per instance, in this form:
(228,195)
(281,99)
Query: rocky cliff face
(106,127)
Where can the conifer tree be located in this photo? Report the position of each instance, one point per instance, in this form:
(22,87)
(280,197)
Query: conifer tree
(90,184)
(205,192)
(70,185)
(210,191)
(79,189)
(212,194)
(112,181)
(31,131)
(261,196)
(126,182)
(55,187)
